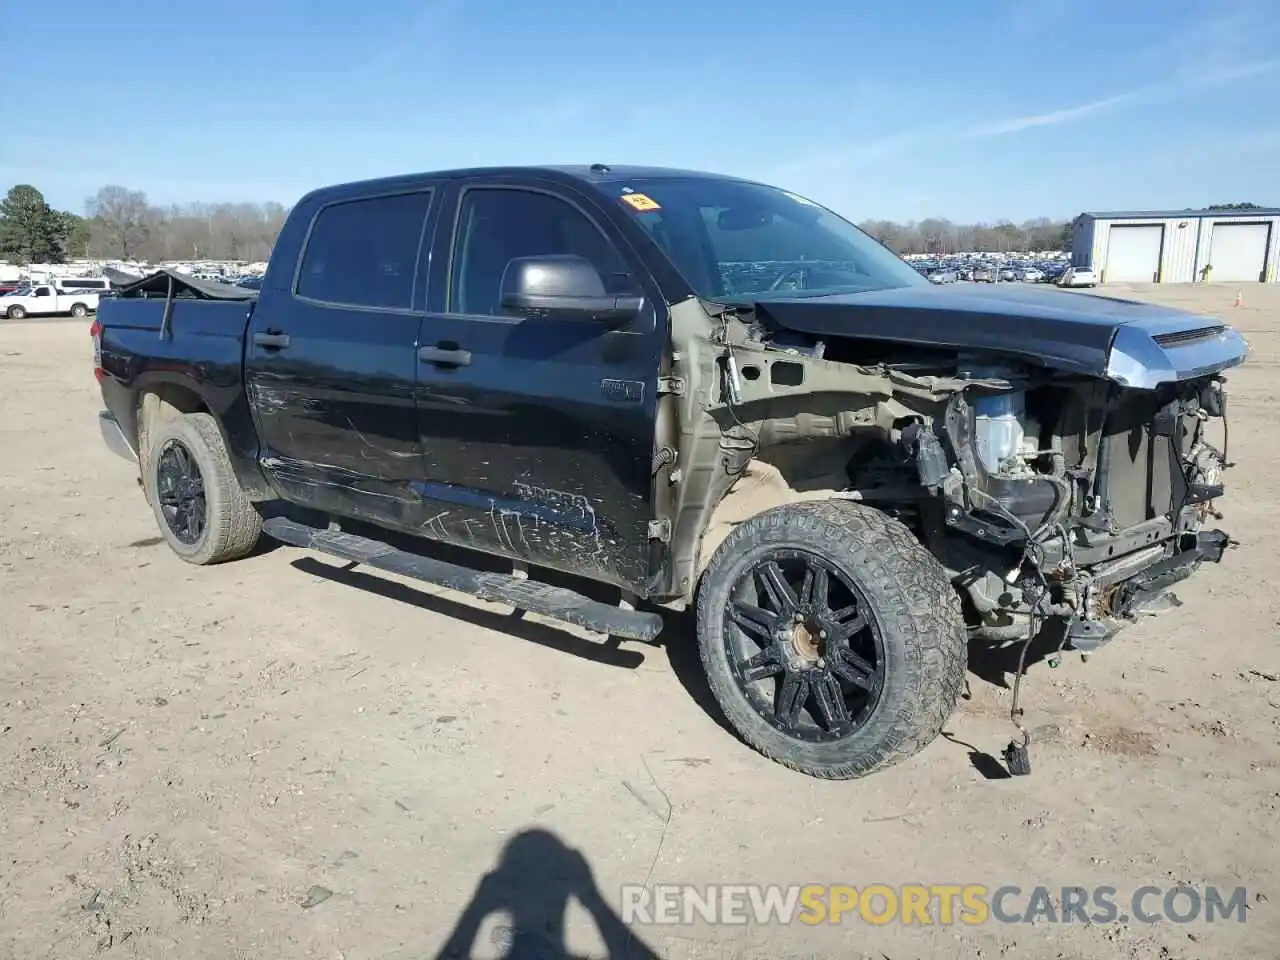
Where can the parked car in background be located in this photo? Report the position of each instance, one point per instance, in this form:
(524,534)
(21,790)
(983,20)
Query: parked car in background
(45,300)
(249,283)
(942,276)
(70,285)
(1007,274)
(1078,277)
(1033,274)
(984,274)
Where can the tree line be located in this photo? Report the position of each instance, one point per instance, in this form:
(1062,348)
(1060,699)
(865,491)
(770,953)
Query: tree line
(121,224)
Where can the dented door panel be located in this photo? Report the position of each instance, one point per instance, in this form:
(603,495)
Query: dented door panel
(541,447)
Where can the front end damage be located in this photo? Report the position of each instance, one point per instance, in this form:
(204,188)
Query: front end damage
(1083,501)
(1047,494)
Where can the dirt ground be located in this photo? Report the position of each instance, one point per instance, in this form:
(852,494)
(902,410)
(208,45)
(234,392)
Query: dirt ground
(277,758)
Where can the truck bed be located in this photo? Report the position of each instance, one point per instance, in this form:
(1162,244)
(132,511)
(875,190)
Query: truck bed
(183,338)
(153,302)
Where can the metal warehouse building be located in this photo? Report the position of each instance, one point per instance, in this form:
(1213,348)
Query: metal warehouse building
(1175,246)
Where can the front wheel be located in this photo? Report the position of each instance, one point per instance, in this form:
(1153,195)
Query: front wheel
(832,640)
(15,313)
(198,504)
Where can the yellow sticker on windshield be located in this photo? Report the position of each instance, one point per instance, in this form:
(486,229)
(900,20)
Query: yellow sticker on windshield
(641,202)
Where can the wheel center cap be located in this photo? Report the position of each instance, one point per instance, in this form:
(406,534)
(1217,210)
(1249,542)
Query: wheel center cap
(804,640)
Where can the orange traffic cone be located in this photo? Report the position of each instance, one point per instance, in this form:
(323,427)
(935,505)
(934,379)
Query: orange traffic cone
(1239,299)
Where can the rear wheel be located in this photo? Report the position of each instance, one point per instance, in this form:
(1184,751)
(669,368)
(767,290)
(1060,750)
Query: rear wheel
(79,310)
(198,504)
(15,312)
(832,640)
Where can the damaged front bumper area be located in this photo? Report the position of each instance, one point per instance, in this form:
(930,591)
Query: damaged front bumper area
(1094,521)
(1114,594)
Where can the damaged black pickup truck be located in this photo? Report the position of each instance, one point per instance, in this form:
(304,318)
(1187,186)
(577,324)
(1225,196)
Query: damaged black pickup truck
(685,390)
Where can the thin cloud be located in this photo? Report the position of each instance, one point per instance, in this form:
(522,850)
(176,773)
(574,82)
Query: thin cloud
(999,128)
(1196,78)
(1184,84)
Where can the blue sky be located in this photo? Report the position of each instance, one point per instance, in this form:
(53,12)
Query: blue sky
(974,110)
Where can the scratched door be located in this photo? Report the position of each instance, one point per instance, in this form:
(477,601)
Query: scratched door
(331,359)
(537,436)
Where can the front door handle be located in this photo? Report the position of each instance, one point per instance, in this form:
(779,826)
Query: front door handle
(444,357)
(273,340)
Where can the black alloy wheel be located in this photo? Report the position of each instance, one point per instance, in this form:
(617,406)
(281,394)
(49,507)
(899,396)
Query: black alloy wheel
(180,488)
(807,652)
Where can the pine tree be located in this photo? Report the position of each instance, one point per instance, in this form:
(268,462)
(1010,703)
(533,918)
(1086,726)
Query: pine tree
(30,231)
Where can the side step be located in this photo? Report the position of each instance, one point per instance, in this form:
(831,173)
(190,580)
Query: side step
(557,602)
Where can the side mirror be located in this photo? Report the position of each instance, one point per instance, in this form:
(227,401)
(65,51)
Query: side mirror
(563,285)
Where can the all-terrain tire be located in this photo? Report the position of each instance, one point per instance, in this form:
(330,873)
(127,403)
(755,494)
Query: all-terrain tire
(232,524)
(79,310)
(16,313)
(911,601)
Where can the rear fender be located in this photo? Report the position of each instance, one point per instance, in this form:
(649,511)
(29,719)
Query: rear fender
(158,396)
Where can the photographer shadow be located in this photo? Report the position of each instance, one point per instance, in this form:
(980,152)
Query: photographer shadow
(532,885)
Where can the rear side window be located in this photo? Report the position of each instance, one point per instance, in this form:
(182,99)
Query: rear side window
(364,253)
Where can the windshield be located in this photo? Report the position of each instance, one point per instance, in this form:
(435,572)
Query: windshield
(736,242)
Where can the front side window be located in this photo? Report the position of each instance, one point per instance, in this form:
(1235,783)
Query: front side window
(498,225)
(364,253)
(740,242)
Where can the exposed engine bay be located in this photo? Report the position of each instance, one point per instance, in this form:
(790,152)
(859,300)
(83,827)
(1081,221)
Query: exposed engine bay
(1045,494)
(1059,497)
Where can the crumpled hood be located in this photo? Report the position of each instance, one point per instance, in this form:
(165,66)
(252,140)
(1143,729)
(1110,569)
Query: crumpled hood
(1072,332)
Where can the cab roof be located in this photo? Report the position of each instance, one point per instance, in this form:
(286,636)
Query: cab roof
(593,174)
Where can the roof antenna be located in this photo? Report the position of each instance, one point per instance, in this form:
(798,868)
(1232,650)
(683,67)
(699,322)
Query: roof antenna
(599,168)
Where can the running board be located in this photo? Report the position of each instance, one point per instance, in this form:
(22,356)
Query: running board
(557,602)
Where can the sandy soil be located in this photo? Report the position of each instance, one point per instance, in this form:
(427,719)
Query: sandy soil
(276,758)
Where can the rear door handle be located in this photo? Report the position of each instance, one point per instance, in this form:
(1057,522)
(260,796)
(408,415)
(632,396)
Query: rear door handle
(275,341)
(443,357)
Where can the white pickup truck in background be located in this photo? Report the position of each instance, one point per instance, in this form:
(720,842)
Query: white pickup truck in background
(45,300)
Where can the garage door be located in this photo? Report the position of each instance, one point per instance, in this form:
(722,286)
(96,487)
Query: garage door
(1133,253)
(1238,251)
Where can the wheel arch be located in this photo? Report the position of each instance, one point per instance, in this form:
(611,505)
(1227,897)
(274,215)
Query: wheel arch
(158,400)
(158,397)
(759,487)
